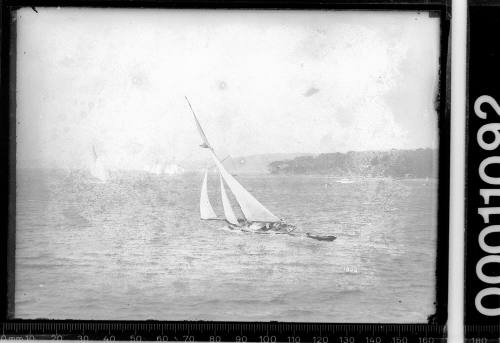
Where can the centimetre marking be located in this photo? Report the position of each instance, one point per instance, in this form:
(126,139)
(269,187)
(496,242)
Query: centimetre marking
(327,329)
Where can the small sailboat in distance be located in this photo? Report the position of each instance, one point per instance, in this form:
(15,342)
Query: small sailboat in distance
(172,169)
(156,169)
(97,169)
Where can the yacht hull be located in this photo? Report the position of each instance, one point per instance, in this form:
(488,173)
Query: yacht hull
(282,229)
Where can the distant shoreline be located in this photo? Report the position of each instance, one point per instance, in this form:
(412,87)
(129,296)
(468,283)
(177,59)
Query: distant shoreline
(336,178)
(401,164)
(404,164)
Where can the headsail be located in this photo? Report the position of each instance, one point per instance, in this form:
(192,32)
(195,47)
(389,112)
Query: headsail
(228,210)
(206,209)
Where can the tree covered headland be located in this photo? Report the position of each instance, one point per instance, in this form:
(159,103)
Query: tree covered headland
(419,163)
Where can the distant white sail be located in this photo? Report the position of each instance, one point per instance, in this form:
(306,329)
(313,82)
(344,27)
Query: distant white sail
(226,204)
(97,170)
(156,169)
(253,210)
(173,169)
(206,209)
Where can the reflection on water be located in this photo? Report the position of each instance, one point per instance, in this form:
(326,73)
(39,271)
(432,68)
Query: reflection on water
(134,248)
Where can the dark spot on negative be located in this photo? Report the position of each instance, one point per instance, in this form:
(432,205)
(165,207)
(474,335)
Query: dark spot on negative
(222,85)
(311,91)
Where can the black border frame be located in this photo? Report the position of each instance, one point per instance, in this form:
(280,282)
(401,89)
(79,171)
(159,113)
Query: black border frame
(441,8)
(482,16)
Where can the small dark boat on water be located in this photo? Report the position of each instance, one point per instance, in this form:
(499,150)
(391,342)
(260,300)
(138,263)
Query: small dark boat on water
(321,238)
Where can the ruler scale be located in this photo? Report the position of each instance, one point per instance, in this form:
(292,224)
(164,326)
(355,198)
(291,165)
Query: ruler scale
(229,332)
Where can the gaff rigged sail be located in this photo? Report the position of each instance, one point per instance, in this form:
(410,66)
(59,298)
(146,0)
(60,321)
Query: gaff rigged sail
(226,204)
(206,209)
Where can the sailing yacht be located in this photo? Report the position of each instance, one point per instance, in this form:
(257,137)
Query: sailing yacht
(97,169)
(256,217)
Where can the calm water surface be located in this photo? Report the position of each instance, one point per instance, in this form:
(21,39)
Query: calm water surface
(134,248)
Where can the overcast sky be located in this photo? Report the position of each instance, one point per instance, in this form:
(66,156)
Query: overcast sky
(259,81)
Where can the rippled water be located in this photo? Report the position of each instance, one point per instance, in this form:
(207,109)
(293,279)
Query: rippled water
(134,248)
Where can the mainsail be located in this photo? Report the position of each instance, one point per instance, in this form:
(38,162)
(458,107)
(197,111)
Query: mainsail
(252,209)
(206,209)
(228,209)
